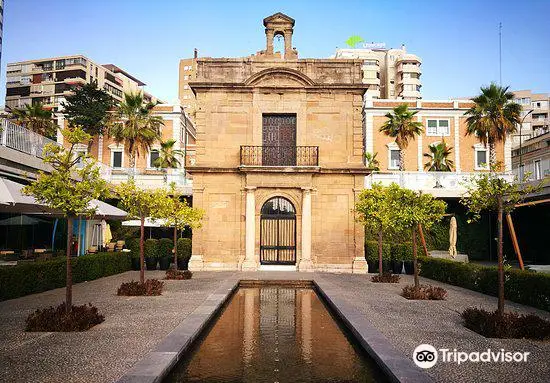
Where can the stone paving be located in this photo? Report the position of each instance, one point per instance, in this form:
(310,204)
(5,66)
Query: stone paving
(136,325)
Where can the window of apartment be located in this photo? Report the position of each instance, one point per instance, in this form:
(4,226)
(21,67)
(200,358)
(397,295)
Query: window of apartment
(538,174)
(394,159)
(521,172)
(481,157)
(116,158)
(438,128)
(153,157)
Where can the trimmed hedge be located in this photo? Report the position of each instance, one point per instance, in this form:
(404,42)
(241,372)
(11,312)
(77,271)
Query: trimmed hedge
(35,277)
(165,247)
(525,287)
(371,251)
(402,251)
(150,249)
(132,244)
(184,248)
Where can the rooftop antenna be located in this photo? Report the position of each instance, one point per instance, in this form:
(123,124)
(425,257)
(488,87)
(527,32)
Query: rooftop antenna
(500,52)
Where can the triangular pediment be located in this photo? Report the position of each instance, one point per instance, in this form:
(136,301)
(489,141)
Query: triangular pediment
(278,18)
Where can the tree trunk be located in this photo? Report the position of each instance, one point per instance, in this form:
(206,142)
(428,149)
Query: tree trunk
(401,159)
(500,260)
(380,252)
(131,165)
(415,259)
(175,246)
(492,155)
(142,251)
(69,288)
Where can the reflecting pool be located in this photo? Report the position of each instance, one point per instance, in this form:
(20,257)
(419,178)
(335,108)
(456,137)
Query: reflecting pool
(275,334)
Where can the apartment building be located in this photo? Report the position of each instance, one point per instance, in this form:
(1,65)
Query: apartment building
(535,115)
(113,158)
(533,158)
(389,73)
(187,73)
(442,120)
(49,81)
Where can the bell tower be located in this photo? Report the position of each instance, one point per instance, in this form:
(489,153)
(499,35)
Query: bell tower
(280,24)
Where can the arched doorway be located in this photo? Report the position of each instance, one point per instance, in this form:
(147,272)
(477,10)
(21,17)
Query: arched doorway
(278,232)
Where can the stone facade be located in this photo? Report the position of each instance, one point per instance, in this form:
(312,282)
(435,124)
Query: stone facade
(324,98)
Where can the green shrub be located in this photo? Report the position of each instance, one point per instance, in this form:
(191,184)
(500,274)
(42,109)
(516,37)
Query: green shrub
(132,244)
(437,237)
(372,251)
(35,277)
(520,286)
(402,251)
(184,248)
(165,247)
(151,248)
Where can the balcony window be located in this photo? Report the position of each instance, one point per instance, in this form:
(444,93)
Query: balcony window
(438,128)
(481,157)
(394,158)
(153,157)
(116,159)
(538,174)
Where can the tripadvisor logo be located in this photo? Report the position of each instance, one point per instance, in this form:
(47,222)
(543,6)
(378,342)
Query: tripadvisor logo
(426,356)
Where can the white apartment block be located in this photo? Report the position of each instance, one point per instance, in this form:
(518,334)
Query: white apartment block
(390,73)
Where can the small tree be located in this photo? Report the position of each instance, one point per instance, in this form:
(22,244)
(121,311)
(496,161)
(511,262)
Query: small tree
(179,214)
(36,118)
(372,162)
(168,157)
(412,209)
(140,204)
(439,160)
(374,212)
(491,192)
(89,108)
(69,189)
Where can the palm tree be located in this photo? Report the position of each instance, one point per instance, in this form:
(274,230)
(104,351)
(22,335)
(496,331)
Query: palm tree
(135,126)
(439,158)
(493,117)
(34,117)
(402,126)
(168,157)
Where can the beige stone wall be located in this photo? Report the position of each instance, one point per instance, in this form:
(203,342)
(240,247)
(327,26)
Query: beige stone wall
(232,97)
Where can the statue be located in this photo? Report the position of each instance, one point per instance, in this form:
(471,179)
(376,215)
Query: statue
(452,237)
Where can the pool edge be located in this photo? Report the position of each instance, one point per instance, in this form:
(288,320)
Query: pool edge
(158,363)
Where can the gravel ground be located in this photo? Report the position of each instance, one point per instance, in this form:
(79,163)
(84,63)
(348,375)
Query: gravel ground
(135,325)
(132,327)
(407,324)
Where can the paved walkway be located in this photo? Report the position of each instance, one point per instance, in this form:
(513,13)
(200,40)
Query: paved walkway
(135,325)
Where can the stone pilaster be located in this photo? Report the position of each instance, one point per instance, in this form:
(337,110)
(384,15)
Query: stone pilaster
(249,263)
(305,262)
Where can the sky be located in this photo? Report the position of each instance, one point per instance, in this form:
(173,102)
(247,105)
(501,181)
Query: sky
(458,41)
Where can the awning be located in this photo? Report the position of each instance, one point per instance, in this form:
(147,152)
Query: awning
(12,200)
(149,222)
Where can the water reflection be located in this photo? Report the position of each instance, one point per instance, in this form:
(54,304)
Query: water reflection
(275,334)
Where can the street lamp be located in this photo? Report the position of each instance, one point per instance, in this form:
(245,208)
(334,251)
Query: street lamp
(520,144)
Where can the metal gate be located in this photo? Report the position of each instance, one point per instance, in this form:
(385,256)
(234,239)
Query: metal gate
(278,232)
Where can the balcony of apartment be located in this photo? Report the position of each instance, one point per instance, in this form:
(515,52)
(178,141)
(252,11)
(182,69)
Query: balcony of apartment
(21,150)
(408,81)
(438,184)
(533,171)
(410,94)
(149,178)
(409,68)
(279,157)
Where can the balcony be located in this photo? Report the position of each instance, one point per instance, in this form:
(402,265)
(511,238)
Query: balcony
(280,156)
(439,184)
(409,68)
(22,139)
(148,178)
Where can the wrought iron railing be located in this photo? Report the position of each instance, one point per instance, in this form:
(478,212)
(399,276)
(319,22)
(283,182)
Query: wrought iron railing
(280,155)
(22,139)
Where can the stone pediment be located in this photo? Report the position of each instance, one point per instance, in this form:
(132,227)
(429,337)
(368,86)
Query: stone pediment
(279,77)
(278,18)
